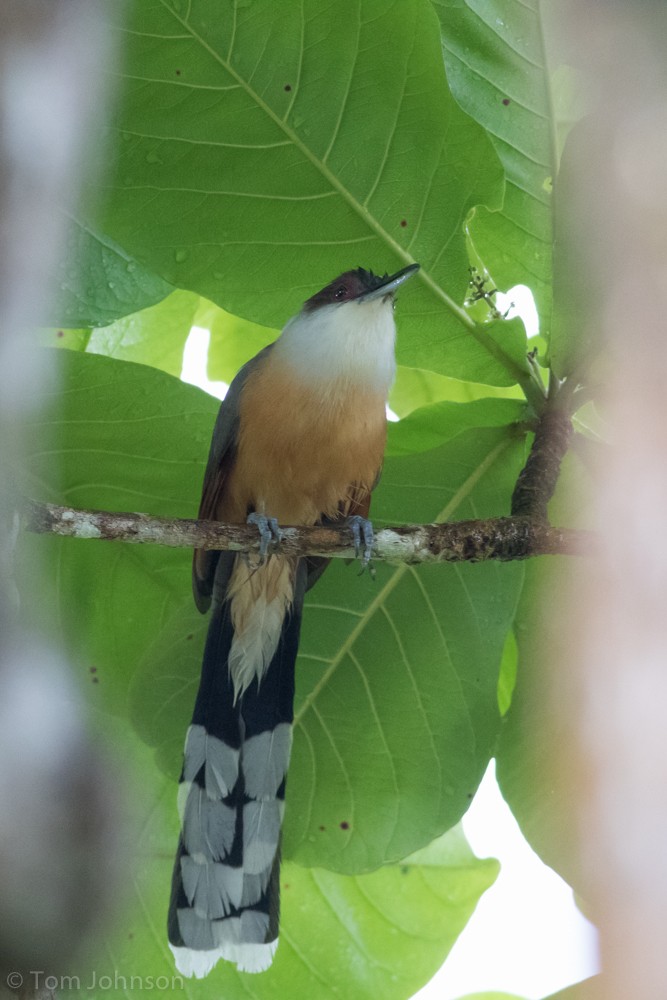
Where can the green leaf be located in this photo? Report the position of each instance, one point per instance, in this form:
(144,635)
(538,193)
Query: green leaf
(97,281)
(154,336)
(498,70)
(507,675)
(431,426)
(247,149)
(581,991)
(415,387)
(121,436)
(164,686)
(71,340)
(509,336)
(383,934)
(117,436)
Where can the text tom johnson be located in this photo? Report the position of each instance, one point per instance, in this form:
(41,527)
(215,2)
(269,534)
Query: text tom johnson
(38,979)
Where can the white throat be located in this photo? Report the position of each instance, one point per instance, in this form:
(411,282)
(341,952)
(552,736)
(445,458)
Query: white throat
(353,341)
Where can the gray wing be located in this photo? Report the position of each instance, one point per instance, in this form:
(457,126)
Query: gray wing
(220,461)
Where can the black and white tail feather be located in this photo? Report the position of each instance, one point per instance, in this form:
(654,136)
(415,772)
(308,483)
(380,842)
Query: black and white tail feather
(225,897)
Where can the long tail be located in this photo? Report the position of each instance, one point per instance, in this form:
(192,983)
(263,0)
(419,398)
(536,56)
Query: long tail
(225,897)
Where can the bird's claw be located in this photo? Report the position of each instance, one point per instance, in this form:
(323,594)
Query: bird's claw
(269,532)
(362,531)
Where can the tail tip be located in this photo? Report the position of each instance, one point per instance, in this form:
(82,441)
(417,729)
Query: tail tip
(247,958)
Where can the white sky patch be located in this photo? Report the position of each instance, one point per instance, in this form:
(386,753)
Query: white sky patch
(195,356)
(520,302)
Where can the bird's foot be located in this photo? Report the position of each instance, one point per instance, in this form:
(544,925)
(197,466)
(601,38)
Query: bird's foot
(362,532)
(269,533)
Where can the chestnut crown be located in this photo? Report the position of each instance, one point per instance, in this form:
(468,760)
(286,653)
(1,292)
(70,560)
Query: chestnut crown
(358,285)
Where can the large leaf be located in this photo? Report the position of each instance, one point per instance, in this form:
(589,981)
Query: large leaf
(416,387)
(383,934)
(69,339)
(430,426)
(98,281)
(396,713)
(264,153)
(586,990)
(154,336)
(498,71)
(157,335)
(118,436)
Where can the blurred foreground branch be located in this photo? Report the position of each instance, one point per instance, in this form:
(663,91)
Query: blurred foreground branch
(58,815)
(610,682)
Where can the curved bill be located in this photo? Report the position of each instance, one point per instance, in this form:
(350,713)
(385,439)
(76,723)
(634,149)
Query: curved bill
(390,284)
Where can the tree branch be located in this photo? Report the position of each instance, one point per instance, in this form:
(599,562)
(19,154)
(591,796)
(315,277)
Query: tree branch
(501,538)
(538,478)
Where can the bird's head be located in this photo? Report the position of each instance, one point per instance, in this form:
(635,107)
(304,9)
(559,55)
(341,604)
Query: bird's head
(361,287)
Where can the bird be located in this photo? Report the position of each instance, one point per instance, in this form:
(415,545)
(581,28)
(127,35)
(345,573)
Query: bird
(299,440)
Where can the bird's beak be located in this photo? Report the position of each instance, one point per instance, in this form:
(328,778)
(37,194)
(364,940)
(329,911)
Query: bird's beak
(390,284)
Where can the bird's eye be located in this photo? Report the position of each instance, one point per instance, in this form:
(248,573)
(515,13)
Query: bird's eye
(340,292)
